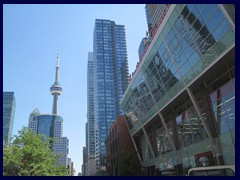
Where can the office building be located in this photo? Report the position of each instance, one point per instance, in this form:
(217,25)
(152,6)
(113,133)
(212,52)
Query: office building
(46,124)
(90,127)
(180,104)
(110,80)
(61,146)
(51,125)
(9,106)
(70,167)
(86,140)
(84,165)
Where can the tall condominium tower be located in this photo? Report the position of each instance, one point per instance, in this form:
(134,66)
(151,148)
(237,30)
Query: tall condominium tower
(110,80)
(155,14)
(51,125)
(90,132)
(9,106)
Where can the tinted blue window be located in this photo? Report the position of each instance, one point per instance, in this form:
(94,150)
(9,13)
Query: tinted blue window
(170,36)
(214,20)
(190,6)
(194,59)
(181,59)
(185,68)
(221,30)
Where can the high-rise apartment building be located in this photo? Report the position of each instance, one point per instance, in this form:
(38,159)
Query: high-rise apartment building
(180,104)
(9,106)
(155,13)
(90,126)
(110,80)
(51,125)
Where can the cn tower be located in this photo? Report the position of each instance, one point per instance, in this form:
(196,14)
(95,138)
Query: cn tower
(56,89)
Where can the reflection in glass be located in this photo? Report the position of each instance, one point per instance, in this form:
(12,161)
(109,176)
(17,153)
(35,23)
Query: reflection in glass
(223,104)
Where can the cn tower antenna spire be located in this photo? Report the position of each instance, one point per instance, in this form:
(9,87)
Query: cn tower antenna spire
(57,66)
(56,89)
(58,58)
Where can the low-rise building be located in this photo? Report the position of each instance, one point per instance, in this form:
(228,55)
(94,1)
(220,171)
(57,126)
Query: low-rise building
(119,147)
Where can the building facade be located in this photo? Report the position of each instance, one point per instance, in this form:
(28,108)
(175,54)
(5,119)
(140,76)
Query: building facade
(155,14)
(84,165)
(90,127)
(51,125)
(61,146)
(110,80)
(143,46)
(70,167)
(86,140)
(46,124)
(119,146)
(9,106)
(180,105)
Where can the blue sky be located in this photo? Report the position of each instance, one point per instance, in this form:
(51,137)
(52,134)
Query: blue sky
(31,36)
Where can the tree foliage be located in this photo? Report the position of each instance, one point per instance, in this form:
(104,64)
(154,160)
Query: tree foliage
(129,164)
(31,155)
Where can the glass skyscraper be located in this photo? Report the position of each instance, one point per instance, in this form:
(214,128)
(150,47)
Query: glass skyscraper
(9,106)
(90,125)
(50,125)
(110,80)
(180,105)
(46,124)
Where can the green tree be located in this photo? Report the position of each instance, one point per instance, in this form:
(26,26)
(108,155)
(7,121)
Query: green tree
(31,155)
(129,164)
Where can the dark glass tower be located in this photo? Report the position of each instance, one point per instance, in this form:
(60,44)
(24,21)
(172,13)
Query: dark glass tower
(110,80)
(9,106)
